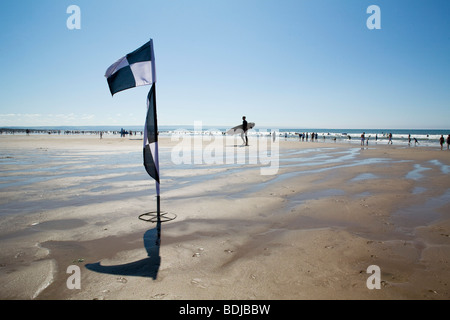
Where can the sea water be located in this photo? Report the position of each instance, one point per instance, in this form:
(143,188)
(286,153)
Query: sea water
(425,137)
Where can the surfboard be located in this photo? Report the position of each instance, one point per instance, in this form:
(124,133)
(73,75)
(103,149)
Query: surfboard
(239,129)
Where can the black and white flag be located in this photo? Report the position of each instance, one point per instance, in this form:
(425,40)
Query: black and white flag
(133,70)
(151,158)
(138,69)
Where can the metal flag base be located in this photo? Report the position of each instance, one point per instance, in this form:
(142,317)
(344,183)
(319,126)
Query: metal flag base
(154,217)
(157,216)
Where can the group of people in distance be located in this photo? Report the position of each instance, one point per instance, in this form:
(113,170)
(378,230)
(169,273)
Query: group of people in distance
(364,140)
(363,137)
(441,142)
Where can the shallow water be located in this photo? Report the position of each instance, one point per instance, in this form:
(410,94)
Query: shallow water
(444,168)
(299,199)
(364,176)
(422,214)
(416,174)
(52,179)
(47,180)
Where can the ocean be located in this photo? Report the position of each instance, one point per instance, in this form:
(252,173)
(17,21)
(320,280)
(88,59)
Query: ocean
(425,137)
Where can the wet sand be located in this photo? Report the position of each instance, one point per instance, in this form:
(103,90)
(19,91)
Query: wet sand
(309,231)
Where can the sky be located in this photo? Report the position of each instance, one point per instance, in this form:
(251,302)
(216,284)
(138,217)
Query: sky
(281,63)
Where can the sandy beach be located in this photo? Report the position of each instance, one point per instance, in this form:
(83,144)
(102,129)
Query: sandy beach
(308,228)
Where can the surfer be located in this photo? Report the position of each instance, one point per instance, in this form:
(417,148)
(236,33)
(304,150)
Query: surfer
(244,128)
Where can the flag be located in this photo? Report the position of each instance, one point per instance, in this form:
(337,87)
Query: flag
(134,70)
(151,157)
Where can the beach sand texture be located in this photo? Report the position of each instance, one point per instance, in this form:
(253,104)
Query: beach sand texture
(310,231)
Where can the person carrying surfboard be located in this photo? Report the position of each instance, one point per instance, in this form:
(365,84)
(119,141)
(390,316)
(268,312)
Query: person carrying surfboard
(242,130)
(245,128)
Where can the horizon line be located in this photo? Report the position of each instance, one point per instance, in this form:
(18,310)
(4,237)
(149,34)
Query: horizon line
(42,127)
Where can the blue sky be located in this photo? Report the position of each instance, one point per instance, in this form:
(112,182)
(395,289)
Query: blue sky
(302,64)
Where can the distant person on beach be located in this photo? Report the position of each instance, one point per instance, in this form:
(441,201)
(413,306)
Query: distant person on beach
(441,141)
(390,138)
(409,139)
(363,138)
(448,142)
(415,141)
(244,128)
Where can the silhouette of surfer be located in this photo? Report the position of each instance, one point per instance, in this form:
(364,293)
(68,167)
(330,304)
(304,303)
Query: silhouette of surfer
(244,128)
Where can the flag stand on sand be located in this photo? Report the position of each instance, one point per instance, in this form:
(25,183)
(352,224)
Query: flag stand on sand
(138,69)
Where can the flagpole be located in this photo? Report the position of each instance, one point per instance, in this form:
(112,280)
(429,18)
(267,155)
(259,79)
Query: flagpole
(158,197)
(124,74)
(158,207)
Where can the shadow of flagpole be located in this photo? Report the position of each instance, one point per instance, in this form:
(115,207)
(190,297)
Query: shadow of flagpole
(147,267)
